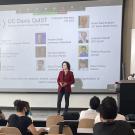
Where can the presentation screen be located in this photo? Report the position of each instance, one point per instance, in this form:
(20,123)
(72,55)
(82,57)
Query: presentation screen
(36,38)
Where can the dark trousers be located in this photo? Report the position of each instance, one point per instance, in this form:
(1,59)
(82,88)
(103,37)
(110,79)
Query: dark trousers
(60,96)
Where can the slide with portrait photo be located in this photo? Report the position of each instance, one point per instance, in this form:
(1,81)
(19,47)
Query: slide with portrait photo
(33,46)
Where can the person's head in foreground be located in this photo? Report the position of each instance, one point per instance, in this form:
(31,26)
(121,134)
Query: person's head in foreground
(27,106)
(94,103)
(20,119)
(108,109)
(109,126)
(16,102)
(22,106)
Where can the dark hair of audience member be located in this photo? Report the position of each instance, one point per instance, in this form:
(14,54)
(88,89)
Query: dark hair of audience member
(27,107)
(16,101)
(94,103)
(2,116)
(108,108)
(26,104)
(0,112)
(20,105)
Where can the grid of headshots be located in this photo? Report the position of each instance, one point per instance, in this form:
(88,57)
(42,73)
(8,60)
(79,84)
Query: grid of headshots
(40,51)
(83,43)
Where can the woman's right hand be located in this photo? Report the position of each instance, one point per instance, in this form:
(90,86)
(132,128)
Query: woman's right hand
(61,84)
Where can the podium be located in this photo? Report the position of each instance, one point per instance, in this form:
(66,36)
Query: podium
(126,96)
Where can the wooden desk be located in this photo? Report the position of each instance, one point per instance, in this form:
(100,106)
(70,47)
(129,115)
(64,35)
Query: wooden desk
(73,124)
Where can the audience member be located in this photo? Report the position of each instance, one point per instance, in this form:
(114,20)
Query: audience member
(29,113)
(16,102)
(21,120)
(27,106)
(108,125)
(2,116)
(92,111)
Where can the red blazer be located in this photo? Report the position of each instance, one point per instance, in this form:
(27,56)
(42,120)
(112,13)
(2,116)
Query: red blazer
(68,78)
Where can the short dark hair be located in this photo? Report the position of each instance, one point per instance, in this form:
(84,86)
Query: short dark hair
(67,63)
(27,105)
(94,103)
(15,102)
(108,108)
(0,111)
(20,105)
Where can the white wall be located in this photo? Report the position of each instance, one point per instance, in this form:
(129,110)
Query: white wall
(128,14)
(133,25)
(48,100)
(132,66)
